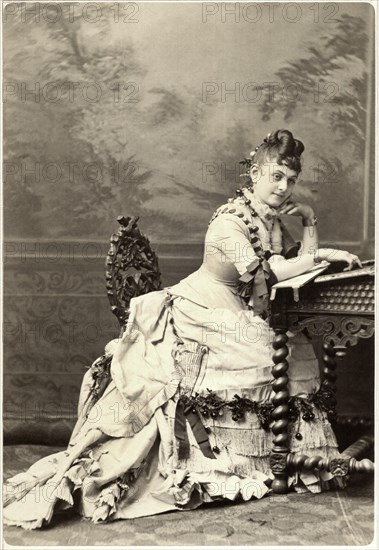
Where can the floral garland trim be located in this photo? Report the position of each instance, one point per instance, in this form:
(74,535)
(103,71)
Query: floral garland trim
(211,405)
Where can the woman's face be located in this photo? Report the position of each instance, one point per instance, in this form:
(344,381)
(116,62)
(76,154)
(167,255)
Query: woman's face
(273,182)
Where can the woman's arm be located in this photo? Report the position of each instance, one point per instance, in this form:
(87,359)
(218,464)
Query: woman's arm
(229,237)
(285,269)
(310,237)
(310,241)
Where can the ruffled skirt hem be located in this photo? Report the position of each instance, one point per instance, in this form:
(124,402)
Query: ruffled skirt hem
(142,490)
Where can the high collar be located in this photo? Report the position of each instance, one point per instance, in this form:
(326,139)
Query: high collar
(267,213)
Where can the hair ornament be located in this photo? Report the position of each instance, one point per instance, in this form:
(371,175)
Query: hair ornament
(267,138)
(247,163)
(281,145)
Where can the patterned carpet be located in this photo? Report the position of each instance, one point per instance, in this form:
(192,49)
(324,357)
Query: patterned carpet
(335,518)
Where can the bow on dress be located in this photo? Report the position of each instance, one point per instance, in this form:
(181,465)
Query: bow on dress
(255,283)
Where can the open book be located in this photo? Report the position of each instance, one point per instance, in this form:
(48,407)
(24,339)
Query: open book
(300,280)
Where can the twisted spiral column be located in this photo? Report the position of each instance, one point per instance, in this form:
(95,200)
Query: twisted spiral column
(330,363)
(298,461)
(339,467)
(280,450)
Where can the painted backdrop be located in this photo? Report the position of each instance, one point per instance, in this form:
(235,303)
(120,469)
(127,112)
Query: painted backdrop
(147,109)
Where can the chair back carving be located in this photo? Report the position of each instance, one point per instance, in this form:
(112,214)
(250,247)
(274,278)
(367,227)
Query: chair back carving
(131,268)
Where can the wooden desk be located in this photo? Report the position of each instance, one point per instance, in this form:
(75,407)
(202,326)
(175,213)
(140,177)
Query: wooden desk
(339,307)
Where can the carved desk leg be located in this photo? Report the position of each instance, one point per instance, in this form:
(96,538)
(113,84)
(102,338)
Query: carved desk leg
(278,457)
(330,377)
(330,363)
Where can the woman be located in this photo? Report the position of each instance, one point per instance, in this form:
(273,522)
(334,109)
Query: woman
(185,418)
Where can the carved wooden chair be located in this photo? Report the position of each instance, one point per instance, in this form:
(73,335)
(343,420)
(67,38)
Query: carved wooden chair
(132,270)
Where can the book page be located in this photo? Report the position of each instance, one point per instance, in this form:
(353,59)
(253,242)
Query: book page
(300,280)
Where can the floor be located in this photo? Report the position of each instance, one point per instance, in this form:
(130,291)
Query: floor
(341,518)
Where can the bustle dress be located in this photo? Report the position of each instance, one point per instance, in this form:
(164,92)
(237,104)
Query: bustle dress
(185,416)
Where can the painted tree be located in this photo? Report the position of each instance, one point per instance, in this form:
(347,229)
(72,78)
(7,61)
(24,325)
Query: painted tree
(78,126)
(327,90)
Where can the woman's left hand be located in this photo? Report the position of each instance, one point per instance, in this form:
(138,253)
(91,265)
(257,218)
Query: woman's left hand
(351,259)
(333,255)
(295,208)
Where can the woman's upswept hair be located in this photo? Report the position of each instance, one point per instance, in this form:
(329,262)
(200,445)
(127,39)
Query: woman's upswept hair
(279,146)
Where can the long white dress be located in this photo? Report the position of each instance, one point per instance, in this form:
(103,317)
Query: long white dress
(198,337)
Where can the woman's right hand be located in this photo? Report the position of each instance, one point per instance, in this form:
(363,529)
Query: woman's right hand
(333,255)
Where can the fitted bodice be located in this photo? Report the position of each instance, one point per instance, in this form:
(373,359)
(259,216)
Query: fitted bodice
(227,253)
(228,249)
